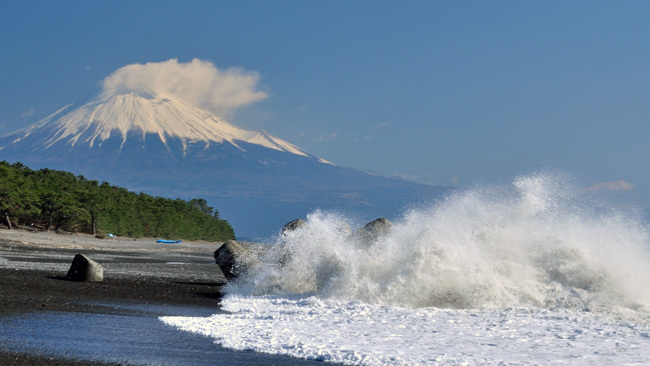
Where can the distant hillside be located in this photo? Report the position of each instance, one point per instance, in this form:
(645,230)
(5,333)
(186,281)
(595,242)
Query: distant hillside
(58,200)
(161,145)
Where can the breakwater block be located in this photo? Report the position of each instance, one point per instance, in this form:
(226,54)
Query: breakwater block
(293,225)
(234,259)
(372,231)
(85,269)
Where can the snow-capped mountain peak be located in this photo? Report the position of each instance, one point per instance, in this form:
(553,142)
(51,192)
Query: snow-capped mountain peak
(158,114)
(155,128)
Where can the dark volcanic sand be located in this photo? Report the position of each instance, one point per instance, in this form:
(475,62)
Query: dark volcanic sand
(32,279)
(36,291)
(29,291)
(142,280)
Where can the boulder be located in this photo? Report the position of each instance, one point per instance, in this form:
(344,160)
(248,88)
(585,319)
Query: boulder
(235,259)
(292,226)
(343,228)
(85,269)
(372,231)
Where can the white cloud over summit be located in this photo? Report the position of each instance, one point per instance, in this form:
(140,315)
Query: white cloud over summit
(197,82)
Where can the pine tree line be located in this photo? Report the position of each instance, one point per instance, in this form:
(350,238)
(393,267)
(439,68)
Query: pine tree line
(58,200)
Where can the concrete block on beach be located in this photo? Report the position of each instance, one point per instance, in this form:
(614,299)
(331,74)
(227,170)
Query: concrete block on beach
(293,225)
(85,269)
(235,259)
(372,231)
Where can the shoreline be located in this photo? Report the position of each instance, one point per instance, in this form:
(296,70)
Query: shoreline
(46,319)
(33,266)
(40,310)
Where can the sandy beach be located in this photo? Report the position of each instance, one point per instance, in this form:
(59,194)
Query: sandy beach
(33,266)
(142,280)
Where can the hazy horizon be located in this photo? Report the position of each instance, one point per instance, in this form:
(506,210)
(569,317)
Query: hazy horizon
(451,94)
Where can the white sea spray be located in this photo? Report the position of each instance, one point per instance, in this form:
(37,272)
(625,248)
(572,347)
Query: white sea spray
(540,242)
(536,272)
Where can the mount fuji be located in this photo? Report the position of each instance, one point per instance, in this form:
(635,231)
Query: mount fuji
(159,144)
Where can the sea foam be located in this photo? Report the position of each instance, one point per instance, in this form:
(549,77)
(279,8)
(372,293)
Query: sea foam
(536,271)
(356,333)
(538,242)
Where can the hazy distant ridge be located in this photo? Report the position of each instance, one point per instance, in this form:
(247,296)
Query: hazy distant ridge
(161,145)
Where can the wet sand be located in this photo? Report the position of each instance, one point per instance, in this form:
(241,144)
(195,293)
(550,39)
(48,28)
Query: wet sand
(142,280)
(33,266)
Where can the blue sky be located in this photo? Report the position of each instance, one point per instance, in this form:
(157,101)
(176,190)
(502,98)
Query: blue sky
(440,92)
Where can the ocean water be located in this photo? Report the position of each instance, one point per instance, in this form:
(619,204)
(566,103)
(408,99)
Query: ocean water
(538,271)
(130,335)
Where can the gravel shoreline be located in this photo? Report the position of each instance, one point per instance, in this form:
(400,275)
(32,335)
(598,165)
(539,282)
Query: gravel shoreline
(33,266)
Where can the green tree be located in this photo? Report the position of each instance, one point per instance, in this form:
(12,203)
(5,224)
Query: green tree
(59,200)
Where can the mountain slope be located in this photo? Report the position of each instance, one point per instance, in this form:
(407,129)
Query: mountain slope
(160,145)
(161,115)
